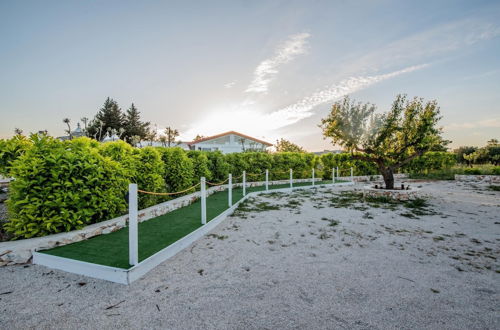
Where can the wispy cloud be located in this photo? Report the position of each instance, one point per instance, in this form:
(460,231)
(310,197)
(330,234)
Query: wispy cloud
(230,84)
(265,124)
(486,123)
(303,108)
(422,46)
(267,70)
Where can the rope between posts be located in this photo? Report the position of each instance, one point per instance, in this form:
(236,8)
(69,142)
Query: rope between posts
(217,184)
(168,194)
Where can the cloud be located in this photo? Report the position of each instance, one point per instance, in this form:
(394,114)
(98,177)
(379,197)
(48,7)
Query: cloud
(264,125)
(267,70)
(303,108)
(486,123)
(432,42)
(230,84)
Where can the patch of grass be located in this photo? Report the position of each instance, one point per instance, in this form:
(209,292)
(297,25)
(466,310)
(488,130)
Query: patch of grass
(367,215)
(333,223)
(293,204)
(494,187)
(438,238)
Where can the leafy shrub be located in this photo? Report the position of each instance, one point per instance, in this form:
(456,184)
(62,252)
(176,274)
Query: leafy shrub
(237,164)
(10,150)
(218,166)
(431,161)
(344,161)
(257,163)
(201,165)
(62,186)
(149,175)
(495,170)
(472,171)
(178,170)
(143,166)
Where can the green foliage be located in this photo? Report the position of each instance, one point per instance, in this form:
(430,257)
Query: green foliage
(496,170)
(431,161)
(218,166)
(472,171)
(134,127)
(179,172)
(473,155)
(149,175)
(390,140)
(143,166)
(460,152)
(110,116)
(61,186)
(257,163)
(10,150)
(237,163)
(201,165)
(344,161)
(283,145)
(301,163)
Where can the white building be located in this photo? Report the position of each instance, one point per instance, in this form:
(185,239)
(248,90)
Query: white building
(229,142)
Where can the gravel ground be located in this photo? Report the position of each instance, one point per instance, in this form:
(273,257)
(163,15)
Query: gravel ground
(296,261)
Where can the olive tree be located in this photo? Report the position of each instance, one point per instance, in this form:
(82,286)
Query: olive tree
(389,140)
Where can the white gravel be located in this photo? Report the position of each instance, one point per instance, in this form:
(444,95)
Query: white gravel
(288,268)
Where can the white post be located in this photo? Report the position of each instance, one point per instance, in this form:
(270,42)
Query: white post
(230,191)
(267,180)
(333,175)
(352,175)
(313,176)
(133,246)
(291,178)
(244,183)
(203,201)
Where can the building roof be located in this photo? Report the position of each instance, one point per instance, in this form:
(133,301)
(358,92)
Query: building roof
(228,133)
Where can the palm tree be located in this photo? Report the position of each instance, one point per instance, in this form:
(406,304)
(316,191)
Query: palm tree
(67,122)
(171,134)
(84,121)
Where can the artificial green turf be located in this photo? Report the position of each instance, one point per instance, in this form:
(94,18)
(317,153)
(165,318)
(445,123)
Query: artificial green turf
(154,234)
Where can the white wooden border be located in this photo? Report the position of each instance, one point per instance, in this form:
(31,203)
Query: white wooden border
(127,276)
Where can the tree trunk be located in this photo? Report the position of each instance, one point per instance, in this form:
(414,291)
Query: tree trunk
(388,175)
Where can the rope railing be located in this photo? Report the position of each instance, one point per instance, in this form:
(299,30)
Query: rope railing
(133,199)
(217,184)
(305,172)
(168,193)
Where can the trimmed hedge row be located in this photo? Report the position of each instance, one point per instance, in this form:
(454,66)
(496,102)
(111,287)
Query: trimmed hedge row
(65,185)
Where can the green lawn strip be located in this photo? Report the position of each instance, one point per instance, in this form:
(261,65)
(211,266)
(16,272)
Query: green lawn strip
(154,234)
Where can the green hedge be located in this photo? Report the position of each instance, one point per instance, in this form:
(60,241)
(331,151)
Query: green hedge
(10,150)
(201,165)
(431,161)
(344,162)
(61,186)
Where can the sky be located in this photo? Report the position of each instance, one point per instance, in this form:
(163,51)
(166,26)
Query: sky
(268,69)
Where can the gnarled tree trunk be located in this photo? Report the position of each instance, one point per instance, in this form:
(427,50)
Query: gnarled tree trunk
(388,175)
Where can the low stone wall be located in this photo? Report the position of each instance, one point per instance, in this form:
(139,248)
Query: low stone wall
(400,195)
(478,178)
(18,252)
(367,178)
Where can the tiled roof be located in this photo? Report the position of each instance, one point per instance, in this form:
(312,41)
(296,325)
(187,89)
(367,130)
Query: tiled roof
(228,133)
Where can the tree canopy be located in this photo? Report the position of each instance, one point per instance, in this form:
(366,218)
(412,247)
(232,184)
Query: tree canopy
(283,145)
(390,140)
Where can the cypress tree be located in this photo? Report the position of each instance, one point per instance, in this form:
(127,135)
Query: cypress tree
(133,125)
(109,117)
